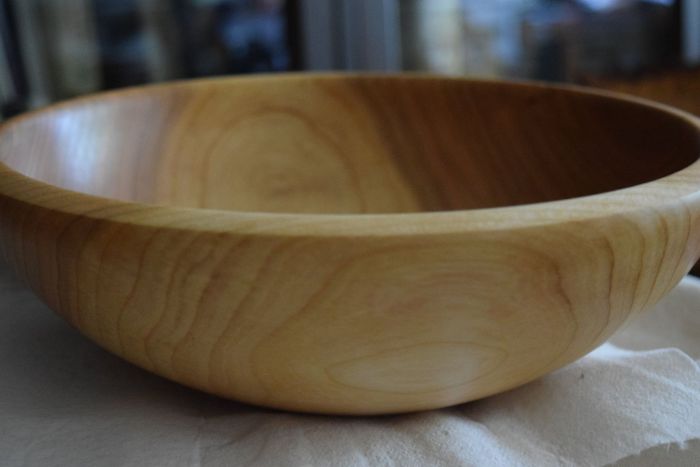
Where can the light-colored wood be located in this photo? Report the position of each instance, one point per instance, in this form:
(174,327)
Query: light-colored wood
(677,88)
(333,262)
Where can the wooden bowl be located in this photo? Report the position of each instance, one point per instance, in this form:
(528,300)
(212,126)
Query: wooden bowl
(350,244)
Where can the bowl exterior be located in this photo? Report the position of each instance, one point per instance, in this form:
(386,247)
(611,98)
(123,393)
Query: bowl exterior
(342,324)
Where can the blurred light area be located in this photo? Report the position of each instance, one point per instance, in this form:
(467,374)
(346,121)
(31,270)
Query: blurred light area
(565,40)
(55,49)
(603,5)
(691,31)
(458,36)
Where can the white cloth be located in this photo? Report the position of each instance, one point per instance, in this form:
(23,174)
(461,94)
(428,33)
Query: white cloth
(65,402)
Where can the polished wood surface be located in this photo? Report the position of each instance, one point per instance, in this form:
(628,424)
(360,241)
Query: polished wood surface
(312,242)
(678,88)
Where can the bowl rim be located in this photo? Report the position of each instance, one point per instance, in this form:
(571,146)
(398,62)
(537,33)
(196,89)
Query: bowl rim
(670,190)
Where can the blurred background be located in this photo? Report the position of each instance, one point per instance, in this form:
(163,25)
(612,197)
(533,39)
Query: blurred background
(56,49)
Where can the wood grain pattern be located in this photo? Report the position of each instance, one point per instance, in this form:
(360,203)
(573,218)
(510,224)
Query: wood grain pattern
(308,242)
(678,88)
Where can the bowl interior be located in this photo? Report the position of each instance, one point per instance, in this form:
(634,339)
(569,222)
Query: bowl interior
(348,144)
